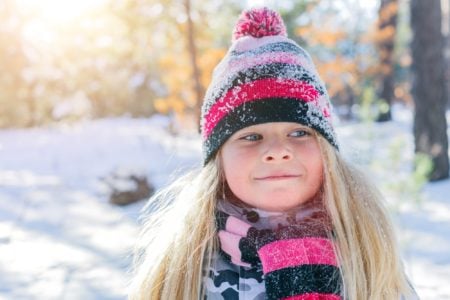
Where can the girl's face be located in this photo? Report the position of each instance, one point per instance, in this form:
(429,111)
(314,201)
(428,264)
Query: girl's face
(273,166)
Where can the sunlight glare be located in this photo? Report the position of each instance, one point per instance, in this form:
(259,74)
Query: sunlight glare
(256,3)
(59,11)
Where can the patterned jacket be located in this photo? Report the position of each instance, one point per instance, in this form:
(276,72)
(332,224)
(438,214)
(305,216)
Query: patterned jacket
(232,282)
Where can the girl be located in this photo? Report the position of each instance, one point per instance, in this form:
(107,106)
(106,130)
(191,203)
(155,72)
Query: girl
(275,212)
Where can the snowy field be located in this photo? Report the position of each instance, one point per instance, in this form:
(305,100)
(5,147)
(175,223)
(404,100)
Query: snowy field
(61,239)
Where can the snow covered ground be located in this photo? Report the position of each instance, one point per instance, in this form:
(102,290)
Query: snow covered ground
(61,239)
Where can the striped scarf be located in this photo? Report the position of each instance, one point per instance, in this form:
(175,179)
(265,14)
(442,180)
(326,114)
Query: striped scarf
(267,255)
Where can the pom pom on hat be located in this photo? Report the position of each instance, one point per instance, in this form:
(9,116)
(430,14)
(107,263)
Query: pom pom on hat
(259,22)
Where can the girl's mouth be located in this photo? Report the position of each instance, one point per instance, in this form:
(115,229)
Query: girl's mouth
(277,177)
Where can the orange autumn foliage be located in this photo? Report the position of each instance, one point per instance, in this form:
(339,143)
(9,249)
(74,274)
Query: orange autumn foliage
(337,71)
(177,78)
(337,74)
(323,37)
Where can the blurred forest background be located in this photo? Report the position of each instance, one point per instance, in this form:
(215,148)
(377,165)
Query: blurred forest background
(64,61)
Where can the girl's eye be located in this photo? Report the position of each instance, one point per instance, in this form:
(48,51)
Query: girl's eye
(252,137)
(299,133)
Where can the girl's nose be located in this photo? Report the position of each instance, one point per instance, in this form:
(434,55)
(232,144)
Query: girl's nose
(277,152)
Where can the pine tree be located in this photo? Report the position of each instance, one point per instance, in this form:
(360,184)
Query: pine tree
(387,28)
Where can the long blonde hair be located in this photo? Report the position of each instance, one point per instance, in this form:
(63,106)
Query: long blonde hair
(365,241)
(179,238)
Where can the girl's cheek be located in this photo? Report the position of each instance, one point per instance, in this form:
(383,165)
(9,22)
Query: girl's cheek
(246,151)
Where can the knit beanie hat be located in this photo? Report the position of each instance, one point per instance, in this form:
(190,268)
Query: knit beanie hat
(264,77)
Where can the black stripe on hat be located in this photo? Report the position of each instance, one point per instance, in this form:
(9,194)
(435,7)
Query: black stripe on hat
(322,279)
(265,111)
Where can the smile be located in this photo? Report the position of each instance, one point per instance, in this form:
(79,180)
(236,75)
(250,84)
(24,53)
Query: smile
(277,177)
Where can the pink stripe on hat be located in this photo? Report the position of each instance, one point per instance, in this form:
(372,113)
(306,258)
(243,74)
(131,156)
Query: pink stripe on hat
(256,90)
(248,42)
(294,252)
(246,62)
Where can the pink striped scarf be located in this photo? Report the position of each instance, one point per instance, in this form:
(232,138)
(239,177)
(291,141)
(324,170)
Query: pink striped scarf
(293,249)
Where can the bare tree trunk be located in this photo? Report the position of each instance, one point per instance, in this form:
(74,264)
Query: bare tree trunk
(198,88)
(13,61)
(387,28)
(429,92)
(447,53)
